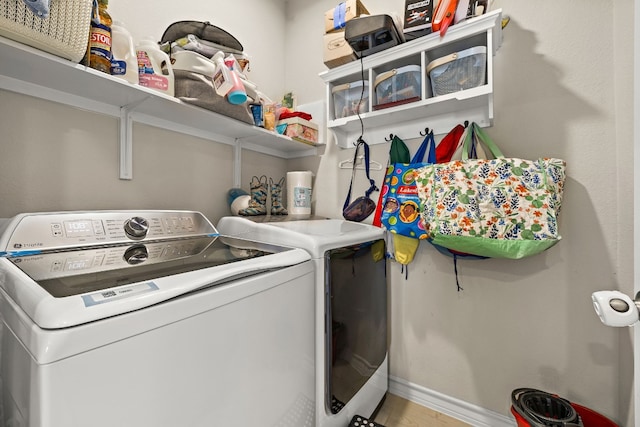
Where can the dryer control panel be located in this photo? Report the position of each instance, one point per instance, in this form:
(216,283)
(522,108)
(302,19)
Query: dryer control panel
(55,231)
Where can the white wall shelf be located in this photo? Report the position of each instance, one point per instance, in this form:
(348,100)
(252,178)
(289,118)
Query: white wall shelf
(36,73)
(440,113)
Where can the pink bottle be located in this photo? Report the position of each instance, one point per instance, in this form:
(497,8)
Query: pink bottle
(237,94)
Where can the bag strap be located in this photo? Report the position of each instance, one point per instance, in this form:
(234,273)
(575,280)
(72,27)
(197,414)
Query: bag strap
(428,141)
(449,144)
(483,138)
(398,151)
(372,188)
(474,151)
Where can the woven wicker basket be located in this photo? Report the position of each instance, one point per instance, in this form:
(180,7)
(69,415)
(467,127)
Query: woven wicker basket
(64,33)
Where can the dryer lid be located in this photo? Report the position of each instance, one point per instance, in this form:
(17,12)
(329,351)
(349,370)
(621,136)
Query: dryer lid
(316,236)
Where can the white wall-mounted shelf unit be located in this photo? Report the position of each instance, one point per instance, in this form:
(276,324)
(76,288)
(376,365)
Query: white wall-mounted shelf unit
(36,73)
(440,113)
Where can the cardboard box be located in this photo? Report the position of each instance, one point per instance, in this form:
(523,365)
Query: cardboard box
(301,130)
(418,15)
(336,50)
(335,19)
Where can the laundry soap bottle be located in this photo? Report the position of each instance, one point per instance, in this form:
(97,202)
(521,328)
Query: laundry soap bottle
(100,38)
(154,67)
(124,61)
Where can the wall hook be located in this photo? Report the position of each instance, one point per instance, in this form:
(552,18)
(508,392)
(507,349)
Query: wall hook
(426,132)
(466,123)
(390,138)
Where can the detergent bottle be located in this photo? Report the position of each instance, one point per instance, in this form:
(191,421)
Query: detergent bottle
(154,67)
(124,62)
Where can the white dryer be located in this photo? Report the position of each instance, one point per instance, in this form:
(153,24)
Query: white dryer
(351,308)
(151,319)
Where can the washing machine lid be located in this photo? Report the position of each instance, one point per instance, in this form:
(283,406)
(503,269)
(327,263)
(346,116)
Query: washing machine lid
(316,236)
(63,289)
(68,268)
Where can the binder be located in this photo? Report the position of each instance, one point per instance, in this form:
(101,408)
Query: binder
(445,12)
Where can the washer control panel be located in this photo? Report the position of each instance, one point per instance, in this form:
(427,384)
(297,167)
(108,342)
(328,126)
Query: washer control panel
(62,230)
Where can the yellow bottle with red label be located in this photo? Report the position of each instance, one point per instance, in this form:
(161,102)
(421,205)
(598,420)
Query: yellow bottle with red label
(100,39)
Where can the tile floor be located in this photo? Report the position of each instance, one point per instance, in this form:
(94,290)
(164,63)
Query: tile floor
(398,412)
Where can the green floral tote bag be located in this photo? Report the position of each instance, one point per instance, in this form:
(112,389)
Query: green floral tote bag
(500,208)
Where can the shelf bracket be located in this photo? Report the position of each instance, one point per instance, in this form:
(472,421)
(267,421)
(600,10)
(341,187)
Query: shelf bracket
(237,164)
(126,139)
(126,144)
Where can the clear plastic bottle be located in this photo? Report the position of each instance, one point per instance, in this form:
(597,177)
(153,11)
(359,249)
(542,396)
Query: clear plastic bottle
(124,62)
(154,67)
(100,39)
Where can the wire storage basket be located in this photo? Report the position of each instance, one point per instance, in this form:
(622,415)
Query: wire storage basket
(458,71)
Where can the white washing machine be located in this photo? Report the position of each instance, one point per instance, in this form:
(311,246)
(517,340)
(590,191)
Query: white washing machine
(151,319)
(351,308)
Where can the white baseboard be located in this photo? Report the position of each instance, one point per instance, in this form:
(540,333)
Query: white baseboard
(461,410)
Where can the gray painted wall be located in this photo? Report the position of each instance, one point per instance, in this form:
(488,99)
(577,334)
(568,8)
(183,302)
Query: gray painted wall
(562,88)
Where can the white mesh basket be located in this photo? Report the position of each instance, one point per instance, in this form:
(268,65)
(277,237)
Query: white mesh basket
(458,71)
(64,33)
